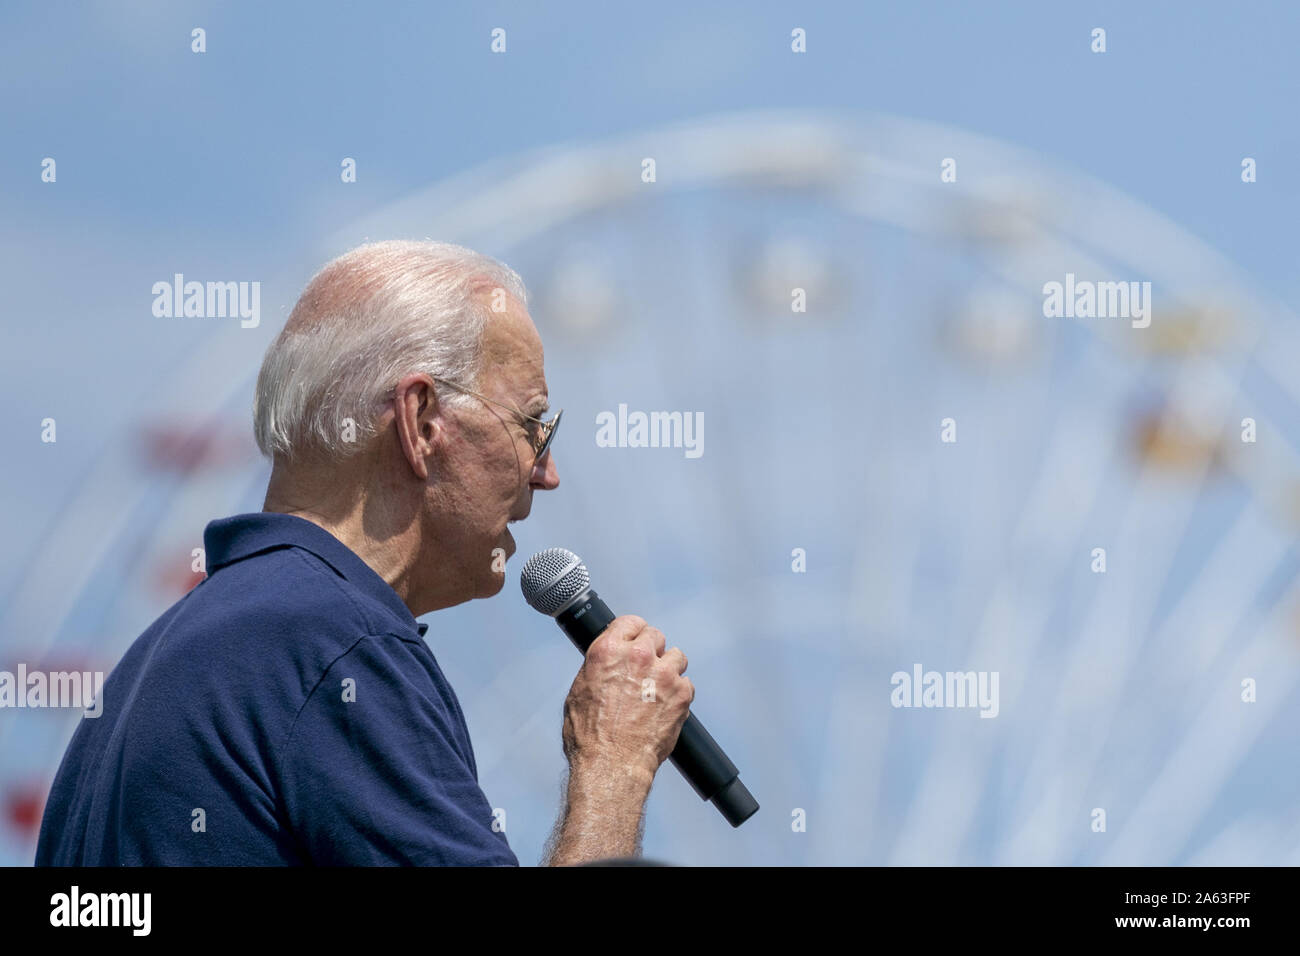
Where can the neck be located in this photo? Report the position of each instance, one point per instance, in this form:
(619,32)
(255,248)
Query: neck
(370,527)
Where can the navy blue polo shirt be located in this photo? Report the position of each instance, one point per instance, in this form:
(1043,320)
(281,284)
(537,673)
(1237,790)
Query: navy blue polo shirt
(286,711)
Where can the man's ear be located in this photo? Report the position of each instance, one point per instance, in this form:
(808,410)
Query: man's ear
(416,415)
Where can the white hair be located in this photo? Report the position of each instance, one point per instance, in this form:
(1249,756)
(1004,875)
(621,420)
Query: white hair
(369,317)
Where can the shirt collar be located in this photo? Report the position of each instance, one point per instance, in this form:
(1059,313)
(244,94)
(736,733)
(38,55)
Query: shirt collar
(227,540)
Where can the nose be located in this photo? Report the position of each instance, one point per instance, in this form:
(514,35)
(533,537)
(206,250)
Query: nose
(545,476)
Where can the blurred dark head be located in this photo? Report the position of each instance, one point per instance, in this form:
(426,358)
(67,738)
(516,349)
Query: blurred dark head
(624,861)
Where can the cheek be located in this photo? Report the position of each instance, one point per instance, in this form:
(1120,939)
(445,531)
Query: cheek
(490,484)
(514,472)
(493,477)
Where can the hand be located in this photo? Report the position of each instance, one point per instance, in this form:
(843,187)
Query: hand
(628,703)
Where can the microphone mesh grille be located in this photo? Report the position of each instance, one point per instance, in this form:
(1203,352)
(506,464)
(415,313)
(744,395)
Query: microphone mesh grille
(552,578)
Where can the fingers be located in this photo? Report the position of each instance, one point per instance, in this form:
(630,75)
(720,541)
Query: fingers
(676,659)
(629,627)
(648,644)
(655,637)
(625,628)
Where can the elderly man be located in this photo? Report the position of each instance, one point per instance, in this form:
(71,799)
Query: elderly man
(287,710)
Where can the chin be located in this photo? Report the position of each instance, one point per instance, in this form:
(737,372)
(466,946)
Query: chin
(492,586)
(496,579)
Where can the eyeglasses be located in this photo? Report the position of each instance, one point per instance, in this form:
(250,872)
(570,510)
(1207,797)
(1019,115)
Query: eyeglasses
(540,440)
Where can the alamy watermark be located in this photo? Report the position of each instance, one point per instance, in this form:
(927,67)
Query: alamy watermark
(80,689)
(208,300)
(946,689)
(1098,300)
(651,430)
(75,908)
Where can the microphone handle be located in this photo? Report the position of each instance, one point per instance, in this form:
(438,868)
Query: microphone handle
(697,755)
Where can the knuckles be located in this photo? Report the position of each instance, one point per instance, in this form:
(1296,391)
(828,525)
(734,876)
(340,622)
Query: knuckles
(641,656)
(630,624)
(621,650)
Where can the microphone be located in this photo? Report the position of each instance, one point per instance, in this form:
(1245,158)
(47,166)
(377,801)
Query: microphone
(556,582)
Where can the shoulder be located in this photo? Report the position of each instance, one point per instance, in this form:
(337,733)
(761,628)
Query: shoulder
(258,636)
(288,597)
